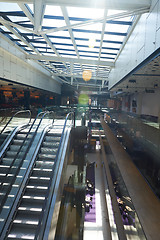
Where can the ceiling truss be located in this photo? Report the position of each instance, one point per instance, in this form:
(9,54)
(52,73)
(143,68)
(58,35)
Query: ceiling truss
(100,60)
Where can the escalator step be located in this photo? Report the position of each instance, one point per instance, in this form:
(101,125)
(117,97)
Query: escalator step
(46,150)
(8,161)
(34,192)
(28,214)
(51,144)
(37,172)
(5,179)
(15,148)
(35,203)
(47,156)
(7,170)
(12,154)
(21,136)
(23,231)
(41,181)
(52,139)
(19,142)
(45,164)
(54,134)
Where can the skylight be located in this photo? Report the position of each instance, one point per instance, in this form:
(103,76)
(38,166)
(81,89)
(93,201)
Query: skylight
(66,32)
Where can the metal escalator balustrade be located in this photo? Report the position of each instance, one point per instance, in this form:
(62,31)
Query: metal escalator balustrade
(32,201)
(33,208)
(15,165)
(46,227)
(12,126)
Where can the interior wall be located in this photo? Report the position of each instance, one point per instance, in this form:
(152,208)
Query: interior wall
(142,103)
(144,40)
(15,67)
(151,103)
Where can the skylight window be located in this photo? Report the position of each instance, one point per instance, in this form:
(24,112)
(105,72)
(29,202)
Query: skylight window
(53,22)
(61,41)
(111,45)
(88,35)
(82,41)
(18,19)
(116,28)
(4,28)
(85,12)
(53,10)
(86,44)
(114,12)
(114,38)
(31,7)
(9,7)
(59,34)
(95,26)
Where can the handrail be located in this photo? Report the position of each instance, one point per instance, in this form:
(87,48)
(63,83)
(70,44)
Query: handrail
(44,114)
(116,211)
(24,111)
(23,183)
(71,113)
(40,228)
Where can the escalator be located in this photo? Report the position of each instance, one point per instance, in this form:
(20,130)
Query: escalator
(13,125)
(9,163)
(35,172)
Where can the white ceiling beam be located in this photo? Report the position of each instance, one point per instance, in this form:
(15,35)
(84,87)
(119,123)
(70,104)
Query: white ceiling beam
(45,70)
(53,48)
(21,38)
(87,84)
(65,14)
(110,4)
(28,14)
(70,60)
(73,26)
(102,36)
(66,18)
(80,76)
(128,35)
(25,42)
(15,25)
(50,44)
(39,8)
(97,20)
(71,70)
(102,83)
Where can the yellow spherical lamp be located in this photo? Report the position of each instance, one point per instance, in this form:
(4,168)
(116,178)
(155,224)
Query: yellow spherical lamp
(87,74)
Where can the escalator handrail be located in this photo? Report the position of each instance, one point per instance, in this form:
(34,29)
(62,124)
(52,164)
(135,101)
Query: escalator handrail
(23,111)
(23,183)
(65,123)
(31,126)
(40,224)
(44,114)
(31,141)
